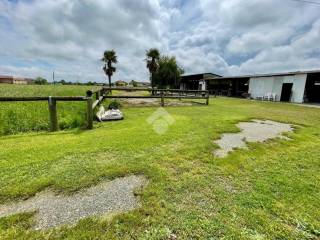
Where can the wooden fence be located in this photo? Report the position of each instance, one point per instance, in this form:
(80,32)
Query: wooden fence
(104,93)
(52,106)
(155,93)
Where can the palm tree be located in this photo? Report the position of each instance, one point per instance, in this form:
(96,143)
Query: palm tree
(153,56)
(108,58)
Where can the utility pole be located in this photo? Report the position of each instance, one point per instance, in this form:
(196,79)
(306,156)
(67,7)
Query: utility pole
(53,77)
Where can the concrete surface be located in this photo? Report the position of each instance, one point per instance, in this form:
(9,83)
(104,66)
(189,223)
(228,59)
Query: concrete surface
(255,131)
(54,210)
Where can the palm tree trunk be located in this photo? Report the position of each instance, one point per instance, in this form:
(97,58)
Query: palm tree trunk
(152,83)
(109,77)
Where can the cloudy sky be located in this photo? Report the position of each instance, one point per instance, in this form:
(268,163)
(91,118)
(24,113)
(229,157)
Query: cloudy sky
(227,37)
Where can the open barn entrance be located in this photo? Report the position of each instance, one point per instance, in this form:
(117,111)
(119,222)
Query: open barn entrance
(286,92)
(196,81)
(239,87)
(231,87)
(312,90)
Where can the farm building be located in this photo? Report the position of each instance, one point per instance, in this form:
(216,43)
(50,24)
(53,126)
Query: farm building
(196,81)
(298,87)
(15,80)
(121,83)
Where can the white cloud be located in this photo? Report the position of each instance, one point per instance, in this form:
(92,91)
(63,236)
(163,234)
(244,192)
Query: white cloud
(300,54)
(255,41)
(227,37)
(73,33)
(21,71)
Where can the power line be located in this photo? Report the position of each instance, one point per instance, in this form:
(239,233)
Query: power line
(307,1)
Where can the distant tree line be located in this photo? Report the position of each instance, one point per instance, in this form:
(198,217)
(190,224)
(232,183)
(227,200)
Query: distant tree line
(43,81)
(40,81)
(63,82)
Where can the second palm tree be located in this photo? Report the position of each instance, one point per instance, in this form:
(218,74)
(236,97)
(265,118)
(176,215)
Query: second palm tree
(108,58)
(153,56)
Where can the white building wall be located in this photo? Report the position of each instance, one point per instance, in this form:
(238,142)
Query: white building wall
(260,86)
(277,87)
(299,84)
(202,85)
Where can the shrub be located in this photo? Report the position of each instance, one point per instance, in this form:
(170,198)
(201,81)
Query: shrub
(114,104)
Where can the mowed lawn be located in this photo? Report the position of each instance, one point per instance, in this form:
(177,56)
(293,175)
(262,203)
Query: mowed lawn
(18,117)
(270,191)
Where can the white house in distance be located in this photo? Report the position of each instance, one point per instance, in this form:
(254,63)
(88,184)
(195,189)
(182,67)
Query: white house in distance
(297,87)
(15,80)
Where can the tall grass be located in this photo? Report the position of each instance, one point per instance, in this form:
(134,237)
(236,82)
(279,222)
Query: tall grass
(18,117)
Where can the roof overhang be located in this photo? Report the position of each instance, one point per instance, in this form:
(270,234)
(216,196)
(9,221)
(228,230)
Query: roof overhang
(267,75)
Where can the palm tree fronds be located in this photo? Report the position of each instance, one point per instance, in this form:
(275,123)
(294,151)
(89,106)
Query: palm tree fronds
(108,58)
(153,53)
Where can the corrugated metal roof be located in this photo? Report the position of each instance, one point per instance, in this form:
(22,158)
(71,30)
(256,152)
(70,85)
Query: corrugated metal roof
(197,74)
(269,74)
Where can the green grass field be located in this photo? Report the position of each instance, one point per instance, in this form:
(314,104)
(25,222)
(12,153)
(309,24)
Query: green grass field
(270,191)
(18,117)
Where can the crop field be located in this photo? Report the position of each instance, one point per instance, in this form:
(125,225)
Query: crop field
(269,191)
(18,117)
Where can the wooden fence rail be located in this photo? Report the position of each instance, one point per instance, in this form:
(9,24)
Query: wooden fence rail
(32,99)
(156,90)
(162,94)
(100,94)
(52,106)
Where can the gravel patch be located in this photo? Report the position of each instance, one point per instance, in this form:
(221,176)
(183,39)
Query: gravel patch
(54,210)
(255,131)
(155,102)
(142,101)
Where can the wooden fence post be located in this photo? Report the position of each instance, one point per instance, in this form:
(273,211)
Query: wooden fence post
(97,95)
(89,110)
(53,114)
(162,99)
(207,100)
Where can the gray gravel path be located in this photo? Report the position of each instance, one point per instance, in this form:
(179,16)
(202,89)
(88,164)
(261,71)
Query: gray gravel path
(105,198)
(255,131)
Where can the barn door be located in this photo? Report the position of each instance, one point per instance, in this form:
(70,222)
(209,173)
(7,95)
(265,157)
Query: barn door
(286,92)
